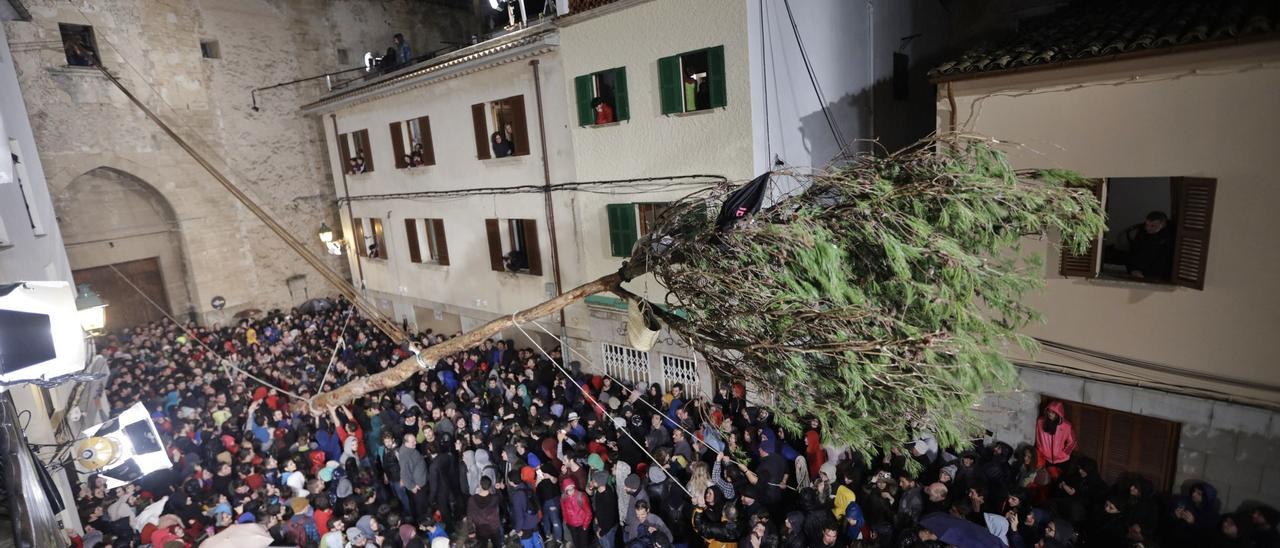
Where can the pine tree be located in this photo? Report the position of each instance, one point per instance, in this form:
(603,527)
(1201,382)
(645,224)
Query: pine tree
(879,299)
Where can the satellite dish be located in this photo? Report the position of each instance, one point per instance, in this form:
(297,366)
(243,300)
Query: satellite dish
(368,61)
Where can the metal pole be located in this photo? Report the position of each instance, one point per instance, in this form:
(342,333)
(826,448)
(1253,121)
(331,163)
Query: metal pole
(546,193)
(30,510)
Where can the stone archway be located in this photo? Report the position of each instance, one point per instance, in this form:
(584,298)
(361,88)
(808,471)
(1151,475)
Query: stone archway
(109,217)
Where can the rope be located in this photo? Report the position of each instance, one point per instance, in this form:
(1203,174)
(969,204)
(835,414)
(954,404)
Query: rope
(656,410)
(334,357)
(602,409)
(225,363)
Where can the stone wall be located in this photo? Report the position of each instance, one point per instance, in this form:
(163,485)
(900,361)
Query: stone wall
(1234,447)
(275,154)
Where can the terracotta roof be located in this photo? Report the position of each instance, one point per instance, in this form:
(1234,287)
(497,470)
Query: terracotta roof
(1100,29)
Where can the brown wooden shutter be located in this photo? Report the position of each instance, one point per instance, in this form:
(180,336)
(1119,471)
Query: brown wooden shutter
(1086,265)
(344,152)
(357,228)
(519,126)
(397,145)
(482,134)
(1194,199)
(1124,443)
(495,244)
(428,148)
(411,233)
(362,137)
(531,251)
(383,252)
(442,247)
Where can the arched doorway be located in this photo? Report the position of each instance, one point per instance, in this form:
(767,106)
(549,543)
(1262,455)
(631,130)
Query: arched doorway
(114,221)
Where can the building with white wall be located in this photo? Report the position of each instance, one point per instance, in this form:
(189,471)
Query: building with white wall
(1168,374)
(30,250)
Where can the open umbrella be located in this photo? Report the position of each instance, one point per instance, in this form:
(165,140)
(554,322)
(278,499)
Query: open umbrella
(313,306)
(959,531)
(240,535)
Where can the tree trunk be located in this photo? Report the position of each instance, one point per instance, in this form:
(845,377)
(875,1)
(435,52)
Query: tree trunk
(404,370)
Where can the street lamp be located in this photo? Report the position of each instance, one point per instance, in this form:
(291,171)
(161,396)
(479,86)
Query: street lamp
(91,309)
(326,236)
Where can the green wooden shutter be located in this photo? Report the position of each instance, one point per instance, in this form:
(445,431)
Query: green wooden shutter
(585,90)
(715,75)
(622,110)
(622,229)
(669,85)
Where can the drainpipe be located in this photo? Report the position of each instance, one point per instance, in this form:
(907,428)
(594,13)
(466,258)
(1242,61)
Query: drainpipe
(546,197)
(346,193)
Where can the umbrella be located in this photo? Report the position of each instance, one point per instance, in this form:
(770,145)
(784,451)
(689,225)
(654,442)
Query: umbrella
(315,305)
(959,531)
(240,535)
(247,313)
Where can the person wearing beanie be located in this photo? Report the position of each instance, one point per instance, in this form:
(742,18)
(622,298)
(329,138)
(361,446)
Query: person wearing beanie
(636,493)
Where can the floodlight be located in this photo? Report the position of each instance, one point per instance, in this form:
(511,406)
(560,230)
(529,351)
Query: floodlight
(40,333)
(123,449)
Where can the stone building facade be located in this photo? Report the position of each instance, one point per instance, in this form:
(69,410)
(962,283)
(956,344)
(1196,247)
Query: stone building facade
(125,194)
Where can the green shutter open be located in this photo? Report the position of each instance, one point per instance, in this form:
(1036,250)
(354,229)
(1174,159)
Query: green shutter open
(623,109)
(716,77)
(584,88)
(669,85)
(622,229)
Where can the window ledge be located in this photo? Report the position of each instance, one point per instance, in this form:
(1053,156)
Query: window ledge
(696,112)
(432,265)
(364,175)
(1134,283)
(414,168)
(75,70)
(610,124)
(504,160)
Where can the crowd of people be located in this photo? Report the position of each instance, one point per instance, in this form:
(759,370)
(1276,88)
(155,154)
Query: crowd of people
(499,446)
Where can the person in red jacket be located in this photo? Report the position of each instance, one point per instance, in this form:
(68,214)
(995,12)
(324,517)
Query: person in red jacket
(577,512)
(1055,439)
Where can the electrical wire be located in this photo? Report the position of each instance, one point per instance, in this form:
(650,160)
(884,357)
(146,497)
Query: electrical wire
(343,286)
(600,407)
(638,186)
(1157,367)
(226,363)
(813,79)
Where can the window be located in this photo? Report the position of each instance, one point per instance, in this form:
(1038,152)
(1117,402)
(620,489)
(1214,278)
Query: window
(1125,443)
(24,186)
(209,49)
(370,241)
(602,97)
(692,81)
(626,364)
(355,153)
(79,45)
(500,126)
(628,222)
(677,369)
(417,133)
(513,245)
(1157,232)
(426,241)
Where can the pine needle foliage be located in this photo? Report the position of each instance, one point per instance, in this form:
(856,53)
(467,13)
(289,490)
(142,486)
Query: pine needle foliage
(879,297)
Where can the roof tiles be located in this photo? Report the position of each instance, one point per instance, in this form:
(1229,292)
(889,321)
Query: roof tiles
(1093,29)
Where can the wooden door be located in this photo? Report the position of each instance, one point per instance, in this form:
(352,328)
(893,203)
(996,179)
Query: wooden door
(1124,443)
(126,307)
